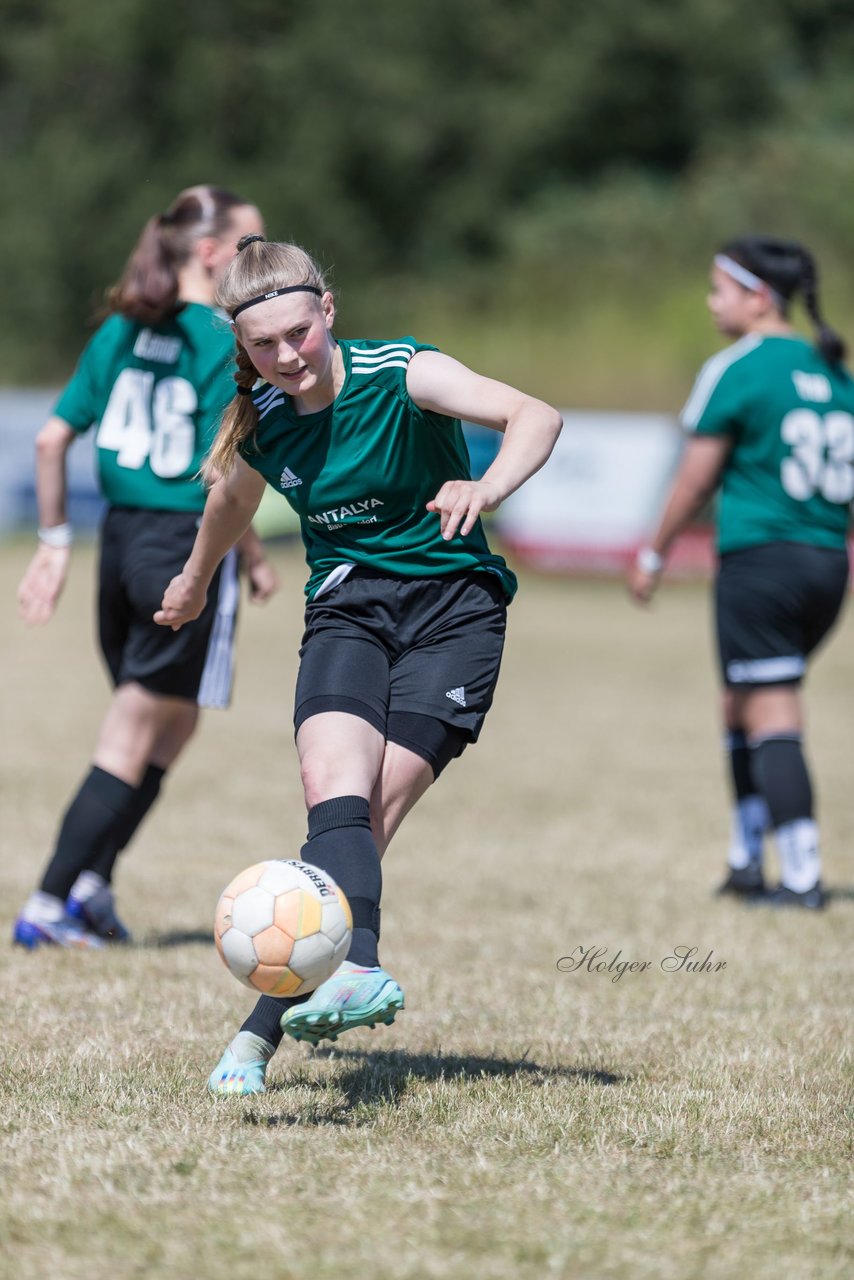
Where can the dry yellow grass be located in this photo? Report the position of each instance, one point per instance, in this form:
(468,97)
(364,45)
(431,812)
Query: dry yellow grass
(516,1120)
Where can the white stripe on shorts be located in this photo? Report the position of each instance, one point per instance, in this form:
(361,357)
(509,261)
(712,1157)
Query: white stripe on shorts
(218,675)
(765,670)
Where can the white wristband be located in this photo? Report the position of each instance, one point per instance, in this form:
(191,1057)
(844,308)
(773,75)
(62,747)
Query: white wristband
(649,561)
(57,535)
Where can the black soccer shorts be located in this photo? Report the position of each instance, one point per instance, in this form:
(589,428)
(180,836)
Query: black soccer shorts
(141,551)
(418,658)
(774,604)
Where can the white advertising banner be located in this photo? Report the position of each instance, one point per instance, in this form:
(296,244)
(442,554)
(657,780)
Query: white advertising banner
(598,495)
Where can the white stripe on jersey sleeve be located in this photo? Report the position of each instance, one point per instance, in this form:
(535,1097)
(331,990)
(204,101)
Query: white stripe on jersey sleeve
(709,377)
(273,404)
(375,353)
(263,397)
(386,364)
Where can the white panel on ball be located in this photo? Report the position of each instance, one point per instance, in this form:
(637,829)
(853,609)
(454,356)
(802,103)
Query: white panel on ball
(253,910)
(279,877)
(333,923)
(313,958)
(239,953)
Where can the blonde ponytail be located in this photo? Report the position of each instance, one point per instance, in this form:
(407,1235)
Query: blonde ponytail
(238,422)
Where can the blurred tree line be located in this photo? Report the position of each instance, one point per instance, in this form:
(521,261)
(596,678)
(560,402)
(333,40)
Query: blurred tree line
(540,185)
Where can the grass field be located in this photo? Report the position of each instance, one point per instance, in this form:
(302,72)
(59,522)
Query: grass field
(517,1120)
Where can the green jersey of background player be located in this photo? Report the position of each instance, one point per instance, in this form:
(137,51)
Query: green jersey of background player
(156,394)
(789,415)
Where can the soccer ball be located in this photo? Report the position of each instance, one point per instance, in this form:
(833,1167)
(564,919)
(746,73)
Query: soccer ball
(282,927)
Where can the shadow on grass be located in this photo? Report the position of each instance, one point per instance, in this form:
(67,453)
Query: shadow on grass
(177,938)
(370,1080)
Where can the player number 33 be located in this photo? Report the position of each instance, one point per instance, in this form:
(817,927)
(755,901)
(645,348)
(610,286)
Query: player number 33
(144,420)
(822,459)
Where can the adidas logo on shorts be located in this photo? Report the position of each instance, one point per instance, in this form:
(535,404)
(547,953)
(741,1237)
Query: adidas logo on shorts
(288,480)
(457,695)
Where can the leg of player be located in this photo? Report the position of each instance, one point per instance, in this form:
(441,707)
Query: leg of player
(749,811)
(91,898)
(403,779)
(773,718)
(341,758)
(102,805)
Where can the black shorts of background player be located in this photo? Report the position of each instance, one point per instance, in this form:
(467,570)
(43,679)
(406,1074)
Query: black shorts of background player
(772,425)
(153,381)
(405,619)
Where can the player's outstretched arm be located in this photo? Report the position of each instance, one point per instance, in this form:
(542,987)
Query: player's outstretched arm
(696,480)
(440,384)
(43,582)
(231,504)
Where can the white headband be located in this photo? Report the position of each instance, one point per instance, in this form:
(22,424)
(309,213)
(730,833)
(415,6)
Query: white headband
(747,278)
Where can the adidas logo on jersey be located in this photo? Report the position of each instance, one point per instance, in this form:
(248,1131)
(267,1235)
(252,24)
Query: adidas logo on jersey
(457,695)
(288,480)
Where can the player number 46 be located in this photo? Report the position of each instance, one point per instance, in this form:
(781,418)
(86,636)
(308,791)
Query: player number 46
(822,458)
(148,420)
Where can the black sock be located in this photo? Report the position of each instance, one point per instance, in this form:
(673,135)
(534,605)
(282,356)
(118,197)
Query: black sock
(121,835)
(341,842)
(783,777)
(86,830)
(264,1019)
(741,770)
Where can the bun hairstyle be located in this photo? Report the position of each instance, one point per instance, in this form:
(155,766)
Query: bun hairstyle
(147,290)
(260,269)
(788,268)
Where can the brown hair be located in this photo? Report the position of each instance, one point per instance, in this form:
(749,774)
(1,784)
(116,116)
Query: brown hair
(261,266)
(147,290)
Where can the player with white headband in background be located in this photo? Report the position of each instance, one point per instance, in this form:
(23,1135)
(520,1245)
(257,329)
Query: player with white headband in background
(771,425)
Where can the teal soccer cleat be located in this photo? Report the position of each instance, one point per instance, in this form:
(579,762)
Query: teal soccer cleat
(352,997)
(242,1069)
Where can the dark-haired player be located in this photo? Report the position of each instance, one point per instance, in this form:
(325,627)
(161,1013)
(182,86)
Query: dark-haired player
(771,420)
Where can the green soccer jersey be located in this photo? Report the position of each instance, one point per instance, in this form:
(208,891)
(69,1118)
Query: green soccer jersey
(360,473)
(155,396)
(790,474)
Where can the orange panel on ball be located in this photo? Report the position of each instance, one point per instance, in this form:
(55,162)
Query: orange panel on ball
(272,947)
(345,907)
(275,981)
(246,880)
(297,913)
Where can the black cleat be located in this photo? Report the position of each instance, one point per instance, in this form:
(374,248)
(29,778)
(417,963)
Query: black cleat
(743,882)
(813,899)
